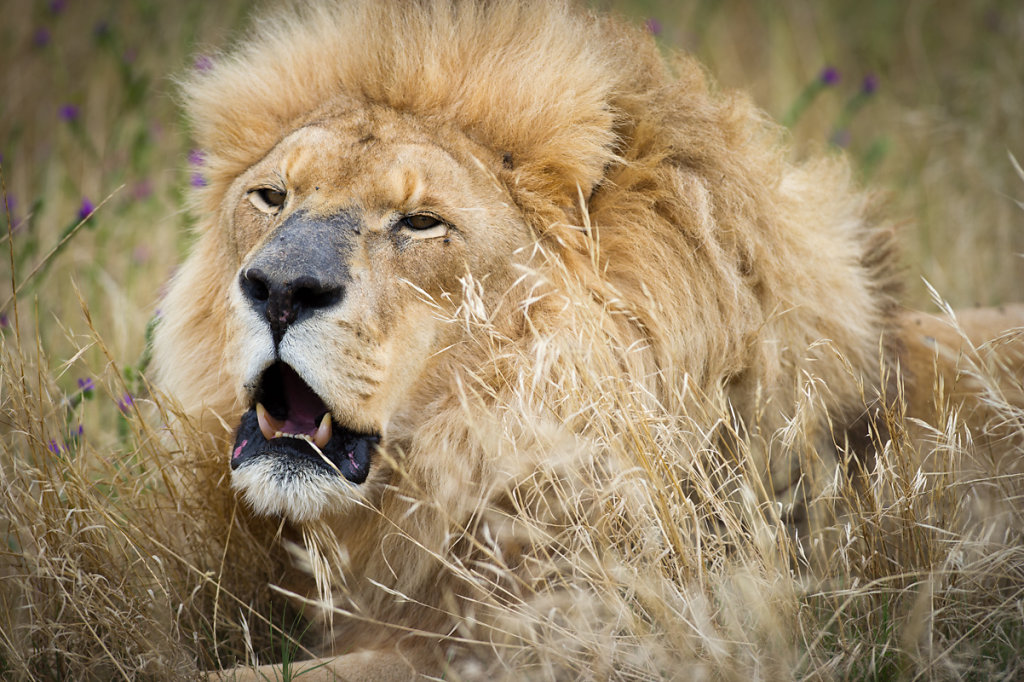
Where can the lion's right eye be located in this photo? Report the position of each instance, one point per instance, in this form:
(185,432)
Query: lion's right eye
(267,199)
(424,226)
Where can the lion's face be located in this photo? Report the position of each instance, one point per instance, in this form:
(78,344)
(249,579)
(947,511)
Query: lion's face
(352,238)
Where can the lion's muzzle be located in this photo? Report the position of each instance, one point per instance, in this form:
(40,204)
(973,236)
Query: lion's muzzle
(300,272)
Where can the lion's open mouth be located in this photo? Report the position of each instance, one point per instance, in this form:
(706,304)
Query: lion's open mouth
(288,419)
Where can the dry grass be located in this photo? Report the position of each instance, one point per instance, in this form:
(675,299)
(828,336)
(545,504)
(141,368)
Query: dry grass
(126,556)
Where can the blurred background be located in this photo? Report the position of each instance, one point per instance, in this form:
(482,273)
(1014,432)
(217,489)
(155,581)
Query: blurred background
(926,97)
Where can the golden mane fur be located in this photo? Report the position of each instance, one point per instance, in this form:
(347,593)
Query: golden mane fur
(680,269)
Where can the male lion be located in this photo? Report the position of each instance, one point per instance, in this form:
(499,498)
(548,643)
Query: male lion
(455,258)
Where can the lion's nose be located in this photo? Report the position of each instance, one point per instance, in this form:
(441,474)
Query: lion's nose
(284,299)
(301,269)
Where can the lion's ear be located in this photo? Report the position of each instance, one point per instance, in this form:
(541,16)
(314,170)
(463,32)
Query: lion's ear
(555,179)
(566,182)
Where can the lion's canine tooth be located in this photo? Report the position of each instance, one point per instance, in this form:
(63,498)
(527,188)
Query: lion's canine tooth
(323,432)
(270,427)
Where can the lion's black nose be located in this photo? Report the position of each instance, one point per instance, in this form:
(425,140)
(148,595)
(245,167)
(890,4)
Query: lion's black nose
(287,298)
(301,269)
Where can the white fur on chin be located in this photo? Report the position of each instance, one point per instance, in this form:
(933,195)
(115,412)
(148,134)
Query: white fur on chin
(300,495)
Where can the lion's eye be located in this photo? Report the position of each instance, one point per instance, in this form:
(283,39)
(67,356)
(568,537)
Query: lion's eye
(267,199)
(424,226)
(421,222)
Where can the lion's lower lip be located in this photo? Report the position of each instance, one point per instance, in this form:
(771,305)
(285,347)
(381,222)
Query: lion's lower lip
(347,452)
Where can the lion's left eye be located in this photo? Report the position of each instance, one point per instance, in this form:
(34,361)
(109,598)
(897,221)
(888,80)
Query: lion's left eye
(267,199)
(424,226)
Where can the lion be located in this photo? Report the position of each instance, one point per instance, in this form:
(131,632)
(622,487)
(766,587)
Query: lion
(449,251)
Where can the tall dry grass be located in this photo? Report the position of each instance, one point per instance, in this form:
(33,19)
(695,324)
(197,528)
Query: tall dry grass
(126,556)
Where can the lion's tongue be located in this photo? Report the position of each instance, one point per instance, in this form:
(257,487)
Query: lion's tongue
(304,406)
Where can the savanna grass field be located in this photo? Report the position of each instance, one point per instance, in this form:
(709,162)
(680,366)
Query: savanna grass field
(125,556)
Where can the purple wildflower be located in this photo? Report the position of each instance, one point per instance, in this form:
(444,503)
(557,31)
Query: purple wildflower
(196,157)
(203,63)
(4,321)
(125,403)
(829,76)
(41,37)
(653,26)
(841,138)
(101,29)
(197,180)
(54,448)
(80,430)
(10,203)
(86,385)
(86,209)
(68,112)
(870,84)
(142,189)
(57,6)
